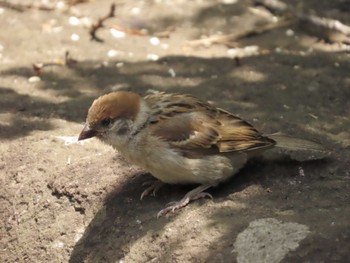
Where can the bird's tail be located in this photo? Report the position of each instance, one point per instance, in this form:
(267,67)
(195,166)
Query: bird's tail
(299,149)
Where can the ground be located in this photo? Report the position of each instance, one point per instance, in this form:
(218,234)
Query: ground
(63,201)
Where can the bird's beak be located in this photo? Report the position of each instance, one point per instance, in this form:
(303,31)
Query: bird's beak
(87,133)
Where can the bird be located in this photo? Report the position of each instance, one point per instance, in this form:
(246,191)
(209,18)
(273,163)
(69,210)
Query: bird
(180,139)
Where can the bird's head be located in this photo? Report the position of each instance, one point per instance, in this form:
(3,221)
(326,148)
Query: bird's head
(111,116)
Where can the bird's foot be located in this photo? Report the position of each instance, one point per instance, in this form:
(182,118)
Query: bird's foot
(152,188)
(195,194)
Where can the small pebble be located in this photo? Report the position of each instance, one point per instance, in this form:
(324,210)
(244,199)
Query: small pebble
(60,244)
(75,37)
(154,41)
(61,5)
(274,19)
(229,2)
(243,52)
(313,116)
(152,57)
(278,50)
(34,79)
(172,73)
(112,53)
(74,21)
(290,33)
(282,87)
(135,10)
(117,34)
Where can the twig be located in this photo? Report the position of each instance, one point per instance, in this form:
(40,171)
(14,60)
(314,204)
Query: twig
(227,39)
(130,31)
(144,32)
(274,5)
(166,33)
(75,2)
(327,23)
(320,22)
(68,61)
(99,24)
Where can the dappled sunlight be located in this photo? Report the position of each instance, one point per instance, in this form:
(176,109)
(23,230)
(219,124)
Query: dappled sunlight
(187,235)
(13,126)
(80,202)
(337,130)
(157,82)
(320,45)
(248,75)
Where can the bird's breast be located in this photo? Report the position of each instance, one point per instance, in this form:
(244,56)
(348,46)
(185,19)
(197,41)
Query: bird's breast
(170,166)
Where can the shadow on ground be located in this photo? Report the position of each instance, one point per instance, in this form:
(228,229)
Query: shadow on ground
(275,94)
(266,187)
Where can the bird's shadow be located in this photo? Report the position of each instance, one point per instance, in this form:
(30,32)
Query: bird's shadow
(124,218)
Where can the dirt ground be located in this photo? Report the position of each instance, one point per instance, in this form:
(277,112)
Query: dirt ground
(63,201)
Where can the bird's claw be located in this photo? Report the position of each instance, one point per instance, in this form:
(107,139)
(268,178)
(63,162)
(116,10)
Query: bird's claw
(151,189)
(175,205)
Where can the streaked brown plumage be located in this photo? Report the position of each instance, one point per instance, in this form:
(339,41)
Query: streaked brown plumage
(179,139)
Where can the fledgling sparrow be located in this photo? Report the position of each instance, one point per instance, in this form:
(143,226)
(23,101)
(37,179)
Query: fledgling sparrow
(179,139)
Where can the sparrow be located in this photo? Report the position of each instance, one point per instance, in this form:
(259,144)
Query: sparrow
(179,139)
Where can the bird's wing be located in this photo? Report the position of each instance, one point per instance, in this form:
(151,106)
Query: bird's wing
(193,125)
(238,135)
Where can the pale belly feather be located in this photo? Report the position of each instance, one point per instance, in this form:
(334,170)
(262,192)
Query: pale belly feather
(169,166)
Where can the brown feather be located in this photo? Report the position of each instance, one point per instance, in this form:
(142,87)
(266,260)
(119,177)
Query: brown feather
(196,126)
(120,104)
(239,135)
(188,131)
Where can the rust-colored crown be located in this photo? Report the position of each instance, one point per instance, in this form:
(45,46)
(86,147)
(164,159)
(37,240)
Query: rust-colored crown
(119,104)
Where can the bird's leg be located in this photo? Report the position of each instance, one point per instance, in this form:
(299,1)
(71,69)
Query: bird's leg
(195,194)
(153,188)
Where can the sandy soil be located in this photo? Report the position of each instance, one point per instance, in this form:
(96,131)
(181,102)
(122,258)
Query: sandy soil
(79,202)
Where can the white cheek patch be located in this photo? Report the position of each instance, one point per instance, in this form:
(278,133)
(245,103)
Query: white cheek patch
(141,118)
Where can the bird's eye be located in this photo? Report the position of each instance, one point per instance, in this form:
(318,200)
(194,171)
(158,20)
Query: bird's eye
(105,122)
